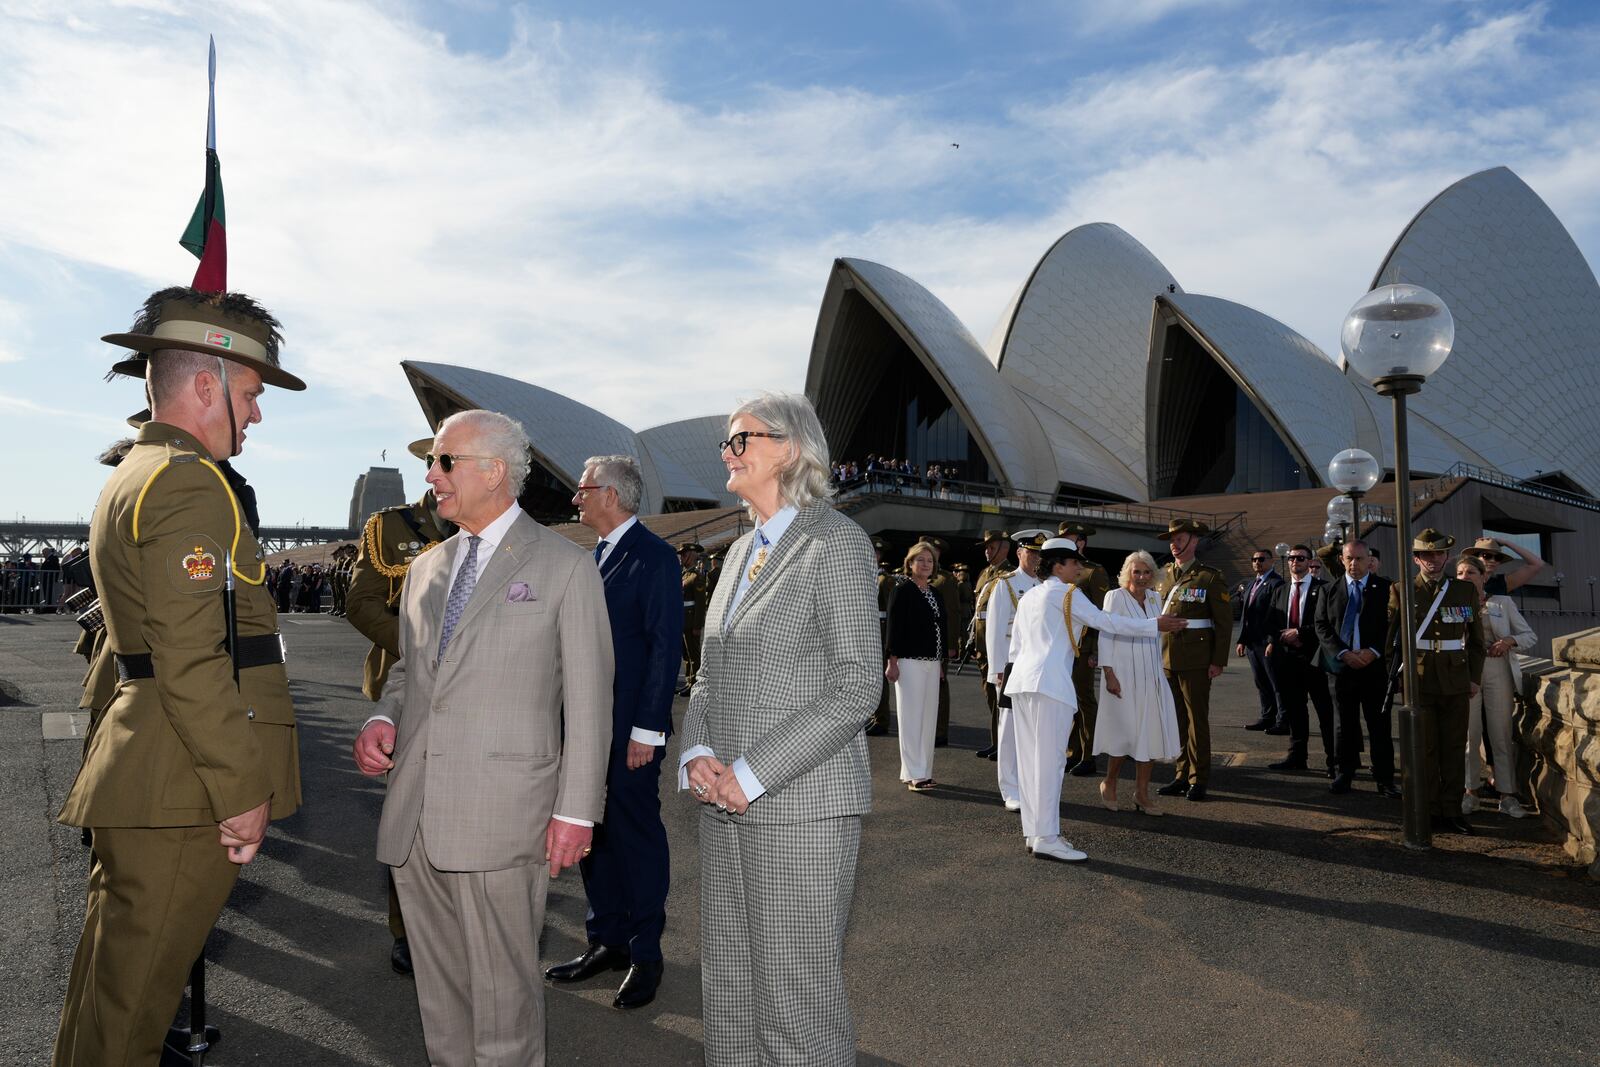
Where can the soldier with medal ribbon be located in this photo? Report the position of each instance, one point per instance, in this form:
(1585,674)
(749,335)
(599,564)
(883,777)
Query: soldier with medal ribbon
(1193,657)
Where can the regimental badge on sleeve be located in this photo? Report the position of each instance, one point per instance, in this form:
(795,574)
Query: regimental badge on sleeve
(196,564)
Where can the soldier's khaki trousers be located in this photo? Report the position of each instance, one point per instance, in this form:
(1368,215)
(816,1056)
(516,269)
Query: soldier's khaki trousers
(154,895)
(1443,774)
(1086,682)
(1191,693)
(691,655)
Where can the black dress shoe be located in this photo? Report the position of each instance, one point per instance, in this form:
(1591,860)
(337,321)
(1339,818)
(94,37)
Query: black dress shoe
(993,756)
(1388,789)
(1333,770)
(985,753)
(1196,792)
(941,742)
(1087,769)
(1278,730)
(1175,788)
(877,730)
(1071,764)
(400,956)
(639,986)
(1458,824)
(1259,724)
(1292,763)
(1341,783)
(596,959)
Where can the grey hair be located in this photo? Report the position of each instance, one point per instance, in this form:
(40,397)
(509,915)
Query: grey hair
(622,474)
(172,369)
(501,437)
(804,478)
(1125,575)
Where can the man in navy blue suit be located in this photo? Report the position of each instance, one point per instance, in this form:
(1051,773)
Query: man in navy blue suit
(627,873)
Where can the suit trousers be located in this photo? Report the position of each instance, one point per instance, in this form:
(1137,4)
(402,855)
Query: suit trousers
(881,717)
(1271,700)
(1042,725)
(1300,679)
(1443,774)
(397,922)
(1490,713)
(1086,683)
(991,697)
(941,729)
(628,873)
(475,947)
(916,699)
(1359,695)
(774,903)
(154,895)
(1191,695)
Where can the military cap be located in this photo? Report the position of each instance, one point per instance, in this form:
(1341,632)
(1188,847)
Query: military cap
(1063,548)
(936,541)
(1033,539)
(1488,548)
(958,567)
(718,552)
(1075,529)
(1431,540)
(995,535)
(215,324)
(138,418)
(1191,526)
(879,543)
(691,546)
(420,448)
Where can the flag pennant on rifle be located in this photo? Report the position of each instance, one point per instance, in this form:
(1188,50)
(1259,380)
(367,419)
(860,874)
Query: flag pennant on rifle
(206,234)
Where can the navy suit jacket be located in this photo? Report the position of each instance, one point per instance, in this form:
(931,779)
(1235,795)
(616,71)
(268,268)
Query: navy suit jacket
(1255,628)
(644,597)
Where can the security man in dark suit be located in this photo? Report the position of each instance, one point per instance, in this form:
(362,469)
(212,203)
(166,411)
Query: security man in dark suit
(1194,656)
(1095,584)
(878,725)
(1353,627)
(1450,655)
(997,551)
(1295,656)
(392,539)
(1255,632)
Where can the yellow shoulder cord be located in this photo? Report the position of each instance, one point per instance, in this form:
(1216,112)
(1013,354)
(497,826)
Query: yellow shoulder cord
(1066,615)
(238,526)
(375,550)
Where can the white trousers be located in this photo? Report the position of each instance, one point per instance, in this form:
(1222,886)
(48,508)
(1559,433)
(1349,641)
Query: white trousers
(1006,756)
(1493,703)
(916,701)
(1042,725)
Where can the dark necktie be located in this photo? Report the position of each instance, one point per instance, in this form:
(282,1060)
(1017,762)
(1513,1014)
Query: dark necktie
(1352,612)
(1294,606)
(460,593)
(1255,587)
(599,550)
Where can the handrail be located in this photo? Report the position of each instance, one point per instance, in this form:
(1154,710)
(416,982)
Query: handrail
(916,487)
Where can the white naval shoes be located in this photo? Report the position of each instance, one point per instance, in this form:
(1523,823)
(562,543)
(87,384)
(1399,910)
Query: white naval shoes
(1512,808)
(1053,848)
(1013,805)
(1469,802)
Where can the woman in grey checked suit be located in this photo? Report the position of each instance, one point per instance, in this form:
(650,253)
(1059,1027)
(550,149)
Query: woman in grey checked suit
(773,747)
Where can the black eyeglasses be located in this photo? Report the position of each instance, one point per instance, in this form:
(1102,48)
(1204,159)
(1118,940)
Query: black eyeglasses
(447,460)
(736,443)
(1298,559)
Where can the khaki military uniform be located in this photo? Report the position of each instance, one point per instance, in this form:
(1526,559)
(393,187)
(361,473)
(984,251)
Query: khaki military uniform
(392,539)
(944,584)
(1195,592)
(695,599)
(1095,583)
(1450,655)
(178,748)
(980,611)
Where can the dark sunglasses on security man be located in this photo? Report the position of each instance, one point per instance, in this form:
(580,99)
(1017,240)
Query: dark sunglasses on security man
(735,444)
(447,460)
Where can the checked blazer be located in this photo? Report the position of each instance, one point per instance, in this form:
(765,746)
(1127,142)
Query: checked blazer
(791,679)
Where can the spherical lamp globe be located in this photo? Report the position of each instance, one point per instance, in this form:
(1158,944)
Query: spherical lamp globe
(1354,470)
(1396,336)
(1332,533)
(1341,510)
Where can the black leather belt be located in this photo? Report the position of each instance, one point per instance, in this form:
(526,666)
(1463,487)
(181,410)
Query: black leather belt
(259,651)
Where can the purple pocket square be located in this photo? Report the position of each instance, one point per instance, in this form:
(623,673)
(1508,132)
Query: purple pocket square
(519,592)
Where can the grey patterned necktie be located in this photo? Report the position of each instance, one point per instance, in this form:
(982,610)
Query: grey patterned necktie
(460,593)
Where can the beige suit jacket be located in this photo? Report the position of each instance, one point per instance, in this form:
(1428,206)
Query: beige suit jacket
(513,725)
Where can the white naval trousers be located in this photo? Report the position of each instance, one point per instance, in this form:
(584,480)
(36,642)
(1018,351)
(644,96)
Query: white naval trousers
(1042,726)
(1005,761)
(1493,703)
(916,701)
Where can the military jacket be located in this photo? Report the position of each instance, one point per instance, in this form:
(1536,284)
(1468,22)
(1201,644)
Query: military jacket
(980,605)
(944,584)
(1195,592)
(1442,672)
(393,538)
(1095,583)
(184,747)
(695,598)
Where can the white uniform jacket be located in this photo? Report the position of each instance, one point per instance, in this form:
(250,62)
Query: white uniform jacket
(1003,600)
(1041,655)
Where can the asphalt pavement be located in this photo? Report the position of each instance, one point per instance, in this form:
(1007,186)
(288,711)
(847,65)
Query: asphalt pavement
(1273,923)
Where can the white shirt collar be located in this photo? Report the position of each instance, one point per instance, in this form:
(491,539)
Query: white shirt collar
(614,536)
(495,532)
(774,528)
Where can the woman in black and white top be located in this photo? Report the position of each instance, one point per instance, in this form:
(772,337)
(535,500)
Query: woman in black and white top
(914,645)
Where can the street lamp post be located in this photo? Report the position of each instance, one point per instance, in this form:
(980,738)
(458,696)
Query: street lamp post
(1282,549)
(1341,516)
(1354,472)
(1591,594)
(1395,337)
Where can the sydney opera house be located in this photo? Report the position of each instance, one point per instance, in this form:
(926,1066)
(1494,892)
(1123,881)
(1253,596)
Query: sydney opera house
(1106,379)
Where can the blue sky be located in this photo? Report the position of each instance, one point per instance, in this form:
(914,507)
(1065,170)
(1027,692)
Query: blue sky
(637,204)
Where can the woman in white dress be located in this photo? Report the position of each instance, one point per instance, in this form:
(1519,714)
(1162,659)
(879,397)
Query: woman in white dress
(1050,623)
(1137,719)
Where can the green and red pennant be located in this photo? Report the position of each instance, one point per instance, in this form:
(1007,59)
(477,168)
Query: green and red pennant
(206,235)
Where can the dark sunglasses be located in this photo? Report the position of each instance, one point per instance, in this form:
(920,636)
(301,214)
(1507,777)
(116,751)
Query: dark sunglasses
(447,460)
(1260,559)
(735,444)
(1298,559)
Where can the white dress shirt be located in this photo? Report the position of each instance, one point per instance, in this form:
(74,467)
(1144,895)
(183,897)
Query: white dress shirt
(768,533)
(657,738)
